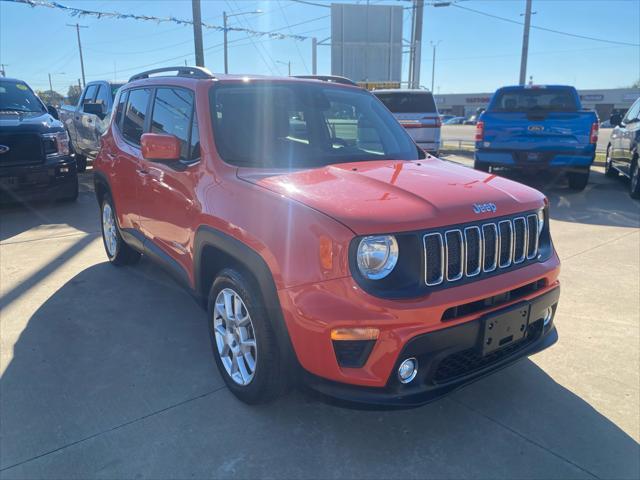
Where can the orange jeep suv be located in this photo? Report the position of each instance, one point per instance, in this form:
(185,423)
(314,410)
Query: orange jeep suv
(326,247)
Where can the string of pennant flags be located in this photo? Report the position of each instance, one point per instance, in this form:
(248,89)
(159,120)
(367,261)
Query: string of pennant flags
(81,12)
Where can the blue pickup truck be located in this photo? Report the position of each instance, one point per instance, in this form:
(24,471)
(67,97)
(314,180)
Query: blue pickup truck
(537,128)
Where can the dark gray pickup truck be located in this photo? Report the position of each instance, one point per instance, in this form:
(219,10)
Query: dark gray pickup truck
(88,120)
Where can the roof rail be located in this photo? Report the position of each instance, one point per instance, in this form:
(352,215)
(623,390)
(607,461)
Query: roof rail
(329,78)
(193,72)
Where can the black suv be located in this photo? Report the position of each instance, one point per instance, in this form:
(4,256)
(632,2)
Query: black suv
(34,148)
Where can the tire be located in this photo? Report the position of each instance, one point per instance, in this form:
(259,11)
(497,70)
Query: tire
(634,181)
(246,351)
(609,171)
(81,163)
(482,166)
(73,195)
(578,180)
(118,252)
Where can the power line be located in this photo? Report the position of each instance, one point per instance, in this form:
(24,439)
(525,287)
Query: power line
(568,34)
(286,21)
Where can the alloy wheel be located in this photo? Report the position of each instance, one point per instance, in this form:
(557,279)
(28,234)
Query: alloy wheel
(235,337)
(109,230)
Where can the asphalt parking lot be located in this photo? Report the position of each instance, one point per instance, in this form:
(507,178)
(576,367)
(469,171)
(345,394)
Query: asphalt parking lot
(108,373)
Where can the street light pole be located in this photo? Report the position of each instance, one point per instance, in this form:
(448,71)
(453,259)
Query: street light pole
(433,64)
(288,64)
(225,17)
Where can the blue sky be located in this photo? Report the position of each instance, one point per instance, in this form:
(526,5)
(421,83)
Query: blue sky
(476,54)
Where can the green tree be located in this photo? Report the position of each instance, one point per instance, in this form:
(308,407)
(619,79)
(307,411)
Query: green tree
(73,94)
(50,97)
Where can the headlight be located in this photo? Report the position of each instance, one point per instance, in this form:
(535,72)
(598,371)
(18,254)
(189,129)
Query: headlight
(540,220)
(377,256)
(56,144)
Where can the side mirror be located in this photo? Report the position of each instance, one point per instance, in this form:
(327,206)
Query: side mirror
(53,111)
(94,108)
(615,119)
(160,147)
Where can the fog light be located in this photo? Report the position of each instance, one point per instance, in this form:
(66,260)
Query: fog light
(408,370)
(64,169)
(548,313)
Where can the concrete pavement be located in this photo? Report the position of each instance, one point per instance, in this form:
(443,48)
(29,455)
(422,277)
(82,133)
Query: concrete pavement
(107,372)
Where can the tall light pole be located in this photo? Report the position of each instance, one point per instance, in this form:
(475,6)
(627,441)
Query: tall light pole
(433,64)
(525,43)
(225,16)
(50,83)
(416,41)
(78,27)
(197,32)
(288,64)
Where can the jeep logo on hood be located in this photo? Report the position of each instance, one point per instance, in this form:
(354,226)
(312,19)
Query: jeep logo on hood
(484,207)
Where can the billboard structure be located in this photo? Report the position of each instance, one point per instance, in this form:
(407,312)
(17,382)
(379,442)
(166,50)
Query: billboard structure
(366,42)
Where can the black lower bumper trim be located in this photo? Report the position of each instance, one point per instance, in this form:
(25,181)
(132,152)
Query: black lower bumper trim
(448,359)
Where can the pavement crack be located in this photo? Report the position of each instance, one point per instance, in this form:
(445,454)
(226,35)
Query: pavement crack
(117,427)
(525,438)
(598,246)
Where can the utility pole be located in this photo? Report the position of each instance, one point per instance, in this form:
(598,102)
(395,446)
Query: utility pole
(197,32)
(314,56)
(416,40)
(78,27)
(525,43)
(224,24)
(433,65)
(50,86)
(288,64)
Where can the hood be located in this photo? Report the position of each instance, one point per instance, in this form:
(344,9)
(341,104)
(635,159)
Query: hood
(397,196)
(28,122)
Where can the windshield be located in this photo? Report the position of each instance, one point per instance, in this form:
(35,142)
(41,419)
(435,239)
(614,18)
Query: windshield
(288,125)
(17,96)
(408,102)
(532,100)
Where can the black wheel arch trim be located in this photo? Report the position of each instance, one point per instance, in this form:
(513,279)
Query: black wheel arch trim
(253,262)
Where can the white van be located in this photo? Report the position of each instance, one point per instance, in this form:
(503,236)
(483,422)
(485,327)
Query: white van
(416,111)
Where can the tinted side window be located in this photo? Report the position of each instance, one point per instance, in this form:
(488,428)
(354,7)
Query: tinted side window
(194,153)
(104,95)
(135,114)
(408,102)
(89,93)
(172,115)
(122,99)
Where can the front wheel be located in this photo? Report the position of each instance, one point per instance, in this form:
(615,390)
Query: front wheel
(578,180)
(609,171)
(118,252)
(634,184)
(243,340)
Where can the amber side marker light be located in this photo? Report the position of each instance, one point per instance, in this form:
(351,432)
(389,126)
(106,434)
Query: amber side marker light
(354,334)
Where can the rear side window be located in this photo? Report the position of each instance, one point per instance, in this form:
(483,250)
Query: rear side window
(135,114)
(172,110)
(408,102)
(534,99)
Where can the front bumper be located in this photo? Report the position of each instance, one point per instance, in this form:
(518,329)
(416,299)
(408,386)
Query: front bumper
(312,311)
(448,359)
(536,159)
(55,178)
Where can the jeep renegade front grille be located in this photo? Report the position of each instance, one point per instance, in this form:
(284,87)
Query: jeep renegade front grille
(475,250)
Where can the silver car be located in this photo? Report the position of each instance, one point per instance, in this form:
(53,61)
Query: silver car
(416,111)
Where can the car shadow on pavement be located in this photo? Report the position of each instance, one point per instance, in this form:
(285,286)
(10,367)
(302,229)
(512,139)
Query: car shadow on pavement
(113,377)
(604,201)
(46,218)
